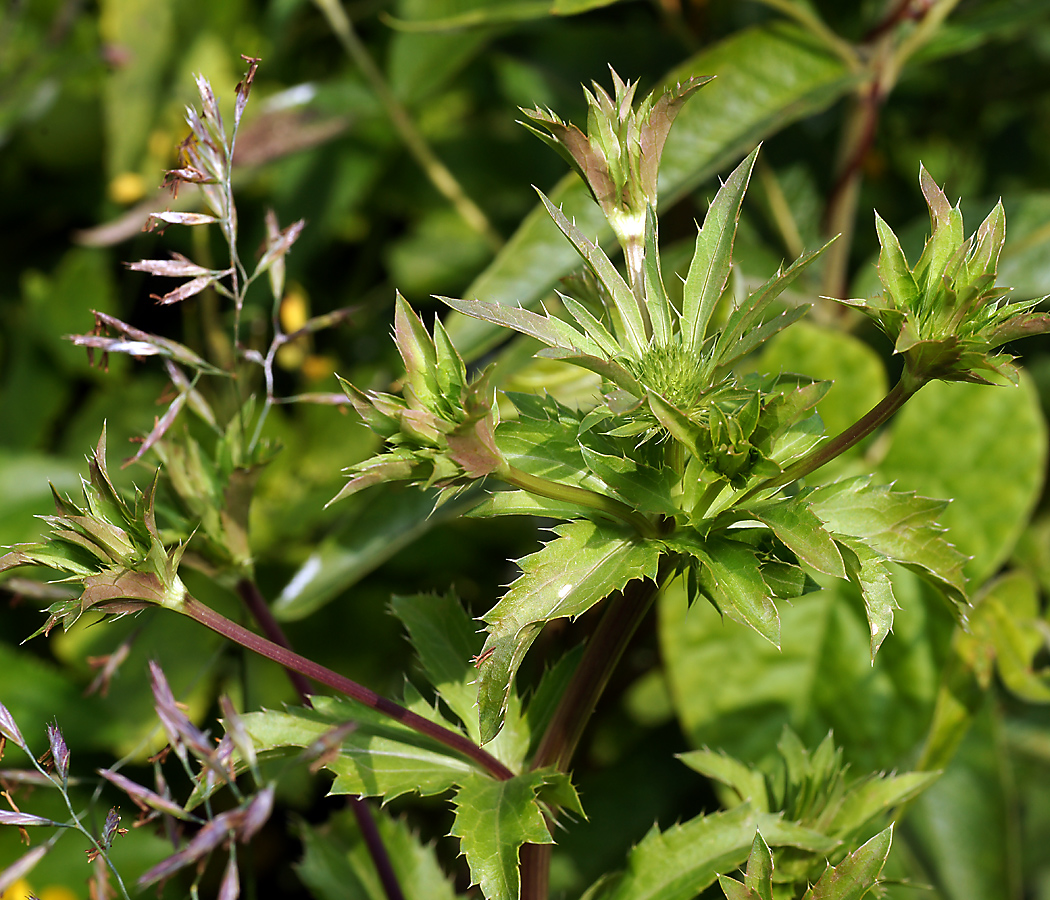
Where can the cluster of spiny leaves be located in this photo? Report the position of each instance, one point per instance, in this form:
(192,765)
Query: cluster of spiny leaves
(114,550)
(813,789)
(441,430)
(679,439)
(946,315)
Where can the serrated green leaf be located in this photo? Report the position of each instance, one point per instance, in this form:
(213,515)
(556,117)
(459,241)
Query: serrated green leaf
(747,784)
(759,875)
(709,269)
(623,299)
(866,570)
(730,576)
(802,532)
(446,640)
(493,820)
(768,77)
(903,527)
(378,757)
(857,874)
(986,448)
(678,863)
(582,566)
(876,795)
(642,487)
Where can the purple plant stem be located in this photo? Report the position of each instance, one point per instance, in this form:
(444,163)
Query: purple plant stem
(291,660)
(261,612)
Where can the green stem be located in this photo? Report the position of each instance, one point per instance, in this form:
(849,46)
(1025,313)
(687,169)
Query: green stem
(844,440)
(555,490)
(436,171)
(291,660)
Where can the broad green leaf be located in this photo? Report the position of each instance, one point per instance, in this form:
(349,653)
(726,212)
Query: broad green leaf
(802,532)
(381,523)
(493,820)
(709,269)
(642,487)
(582,566)
(857,874)
(731,578)
(462,14)
(337,865)
(768,77)
(446,639)
(678,863)
(867,570)
(378,757)
(985,447)
(901,526)
(732,689)
(963,827)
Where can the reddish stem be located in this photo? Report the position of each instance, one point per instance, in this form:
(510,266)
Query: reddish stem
(291,660)
(261,612)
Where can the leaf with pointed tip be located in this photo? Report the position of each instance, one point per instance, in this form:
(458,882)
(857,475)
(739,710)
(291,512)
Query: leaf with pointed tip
(712,259)
(767,77)
(873,796)
(579,568)
(606,273)
(759,877)
(901,526)
(894,272)
(493,820)
(445,639)
(802,532)
(677,864)
(731,578)
(735,339)
(642,487)
(377,758)
(522,503)
(735,890)
(611,371)
(857,874)
(747,783)
(866,569)
(548,329)
(595,329)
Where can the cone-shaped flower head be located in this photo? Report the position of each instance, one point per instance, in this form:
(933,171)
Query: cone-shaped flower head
(946,314)
(619,157)
(441,431)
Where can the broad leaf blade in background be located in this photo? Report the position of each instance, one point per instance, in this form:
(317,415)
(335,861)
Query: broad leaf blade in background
(767,78)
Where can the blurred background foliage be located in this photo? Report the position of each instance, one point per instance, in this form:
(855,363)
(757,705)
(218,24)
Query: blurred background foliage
(91,105)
